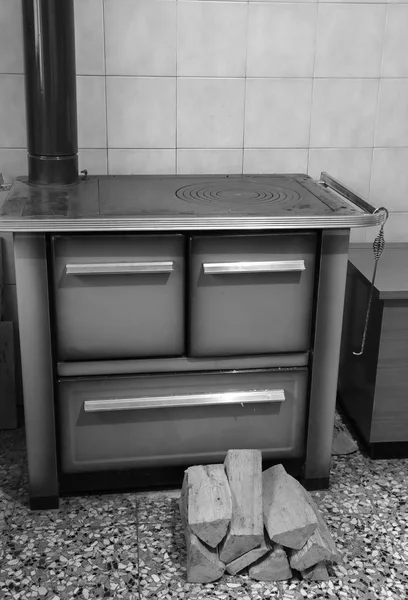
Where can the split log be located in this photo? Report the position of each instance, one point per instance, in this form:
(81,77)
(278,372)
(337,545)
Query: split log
(209,502)
(314,551)
(316,573)
(288,517)
(247,559)
(335,555)
(203,563)
(273,567)
(244,472)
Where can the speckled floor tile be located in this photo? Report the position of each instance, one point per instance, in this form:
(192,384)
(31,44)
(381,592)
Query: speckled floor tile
(10,479)
(158,507)
(70,563)
(94,511)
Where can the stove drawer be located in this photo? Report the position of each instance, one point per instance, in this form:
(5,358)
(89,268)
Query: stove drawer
(251,294)
(110,423)
(119,296)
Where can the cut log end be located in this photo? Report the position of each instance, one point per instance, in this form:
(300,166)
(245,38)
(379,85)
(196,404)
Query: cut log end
(235,546)
(316,573)
(273,567)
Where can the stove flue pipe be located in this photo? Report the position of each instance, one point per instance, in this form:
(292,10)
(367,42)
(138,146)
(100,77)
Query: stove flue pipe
(50,82)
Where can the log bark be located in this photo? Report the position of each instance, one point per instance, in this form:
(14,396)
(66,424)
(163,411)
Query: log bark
(273,567)
(209,503)
(244,472)
(288,517)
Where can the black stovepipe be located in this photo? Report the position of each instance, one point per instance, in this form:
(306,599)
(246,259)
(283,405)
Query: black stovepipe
(50,85)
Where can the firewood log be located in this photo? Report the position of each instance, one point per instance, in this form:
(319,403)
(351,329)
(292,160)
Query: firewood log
(272,567)
(209,502)
(316,573)
(247,559)
(244,472)
(314,551)
(288,517)
(203,563)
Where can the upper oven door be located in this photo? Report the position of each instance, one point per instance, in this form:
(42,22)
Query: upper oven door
(118,296)
(251,294)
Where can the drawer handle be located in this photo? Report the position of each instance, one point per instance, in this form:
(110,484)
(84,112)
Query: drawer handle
(259,266)
(184,400)
(122,268)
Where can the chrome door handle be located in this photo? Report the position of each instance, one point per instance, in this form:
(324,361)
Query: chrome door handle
(120,268)
(185,400)
(259,266)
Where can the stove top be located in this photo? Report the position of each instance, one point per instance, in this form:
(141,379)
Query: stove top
(182,202)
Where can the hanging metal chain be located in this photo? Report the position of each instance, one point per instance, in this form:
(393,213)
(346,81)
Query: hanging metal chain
(378,248)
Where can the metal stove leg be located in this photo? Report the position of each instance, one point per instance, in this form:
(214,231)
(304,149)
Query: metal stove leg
(329,319)
(36,360)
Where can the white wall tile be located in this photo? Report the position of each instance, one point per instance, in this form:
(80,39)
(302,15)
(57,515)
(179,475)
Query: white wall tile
(277,113)
(141,162)
(358,235)
(351,166)
(209,161)
(141,112)
(389,178)
(211,39)
(395,53)
(281,40)
(349,40)
(12,112)
(343,113)
(91,112)
(210,113)
(272,160)
(13,163)
(395,229)
(89,44)
(95,161)
(392,116)
(140,37)
(11,37)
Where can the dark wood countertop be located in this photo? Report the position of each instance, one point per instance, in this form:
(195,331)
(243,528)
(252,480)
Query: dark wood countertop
(392,271)
(180,203)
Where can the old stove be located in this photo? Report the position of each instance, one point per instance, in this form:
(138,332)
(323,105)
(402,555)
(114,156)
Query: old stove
(164,320)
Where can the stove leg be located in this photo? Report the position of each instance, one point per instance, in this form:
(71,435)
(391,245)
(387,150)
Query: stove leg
(37,369)
(329,319)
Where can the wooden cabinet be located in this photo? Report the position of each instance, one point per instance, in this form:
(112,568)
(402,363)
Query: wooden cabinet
(373,388)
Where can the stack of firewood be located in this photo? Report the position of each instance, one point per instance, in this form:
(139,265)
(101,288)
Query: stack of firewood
(236,517)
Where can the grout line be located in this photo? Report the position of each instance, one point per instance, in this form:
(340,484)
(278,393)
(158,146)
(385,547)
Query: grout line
(245,89)
(176,166)
(106,89)
(313,85)
(378,103)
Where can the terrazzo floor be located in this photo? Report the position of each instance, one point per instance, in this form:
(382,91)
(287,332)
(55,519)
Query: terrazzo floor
(131,546)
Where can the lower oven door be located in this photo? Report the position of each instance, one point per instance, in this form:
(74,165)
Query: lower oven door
(127,422)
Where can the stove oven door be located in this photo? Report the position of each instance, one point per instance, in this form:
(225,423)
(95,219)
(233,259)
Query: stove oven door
(251,294)
(109,423)
(118,296)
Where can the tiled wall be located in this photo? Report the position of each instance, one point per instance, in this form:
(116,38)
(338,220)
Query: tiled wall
(187,86)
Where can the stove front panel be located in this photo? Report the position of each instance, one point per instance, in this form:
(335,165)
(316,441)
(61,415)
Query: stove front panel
(107,423)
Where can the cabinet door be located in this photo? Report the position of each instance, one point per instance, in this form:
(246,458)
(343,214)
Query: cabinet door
(251,294)
(119,296)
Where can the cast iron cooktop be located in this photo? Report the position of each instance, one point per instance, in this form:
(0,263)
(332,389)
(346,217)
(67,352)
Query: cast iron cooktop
(142,202)
(255,195)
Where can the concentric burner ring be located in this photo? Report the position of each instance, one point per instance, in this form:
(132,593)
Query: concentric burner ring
(231,193)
